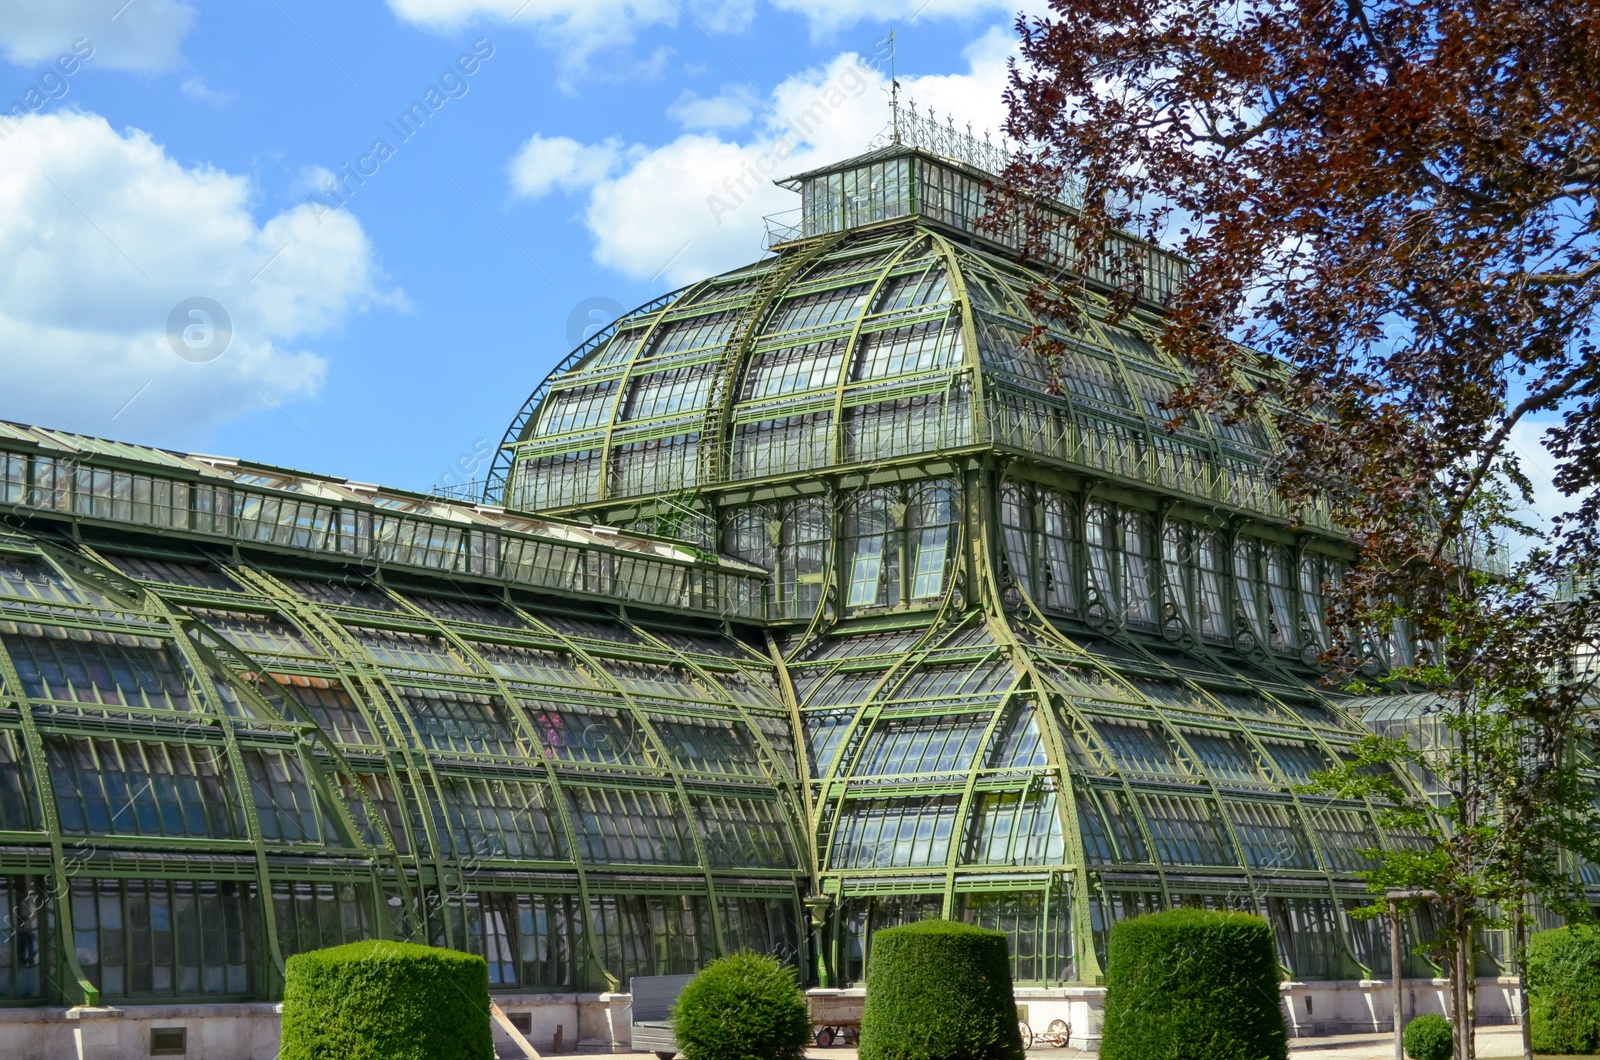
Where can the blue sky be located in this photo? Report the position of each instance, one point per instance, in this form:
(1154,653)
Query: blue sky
(565,155)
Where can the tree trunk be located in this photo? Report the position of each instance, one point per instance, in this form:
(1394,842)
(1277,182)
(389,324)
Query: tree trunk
(1460,976)
(1469,985)
(1520,940)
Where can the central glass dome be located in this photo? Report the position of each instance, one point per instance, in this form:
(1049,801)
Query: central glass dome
(882,342)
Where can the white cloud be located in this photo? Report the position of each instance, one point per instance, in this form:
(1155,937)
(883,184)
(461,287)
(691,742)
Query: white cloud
(548,162)
(694,207)
(576,27)
(580,27)
(729,109)
(722,16)
(102,234)
(312,182)
(196,89)
(828,15)
(142,35)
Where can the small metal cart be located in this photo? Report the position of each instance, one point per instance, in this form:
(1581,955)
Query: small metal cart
(651,1022)
(826,1034)
(1058,1033)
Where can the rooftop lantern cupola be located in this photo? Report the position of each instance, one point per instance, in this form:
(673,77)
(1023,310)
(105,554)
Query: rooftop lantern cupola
(943,176)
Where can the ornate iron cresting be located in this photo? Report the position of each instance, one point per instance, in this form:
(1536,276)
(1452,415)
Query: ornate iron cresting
(914,128)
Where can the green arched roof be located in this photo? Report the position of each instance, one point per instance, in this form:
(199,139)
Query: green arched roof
(887,342)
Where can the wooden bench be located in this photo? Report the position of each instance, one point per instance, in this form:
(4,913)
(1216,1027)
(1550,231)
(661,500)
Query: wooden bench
(651,1022)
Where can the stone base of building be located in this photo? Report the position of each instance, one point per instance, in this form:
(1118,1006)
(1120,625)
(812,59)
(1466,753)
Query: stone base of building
(1311,1010)
(1366,1006)
(251,1032)
(117,1033)
(559,1023)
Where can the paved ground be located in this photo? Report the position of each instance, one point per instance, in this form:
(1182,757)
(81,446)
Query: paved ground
(1494,1043)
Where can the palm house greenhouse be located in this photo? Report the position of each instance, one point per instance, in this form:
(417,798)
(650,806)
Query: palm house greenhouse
(803,601)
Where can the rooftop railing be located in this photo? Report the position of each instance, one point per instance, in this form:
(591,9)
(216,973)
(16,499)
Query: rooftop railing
(1032,423)
(782,227)
(323,518)
(459,492)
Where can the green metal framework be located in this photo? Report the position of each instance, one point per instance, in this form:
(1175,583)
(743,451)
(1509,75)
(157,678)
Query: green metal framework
(804,601)
(1054,660)
(224,739)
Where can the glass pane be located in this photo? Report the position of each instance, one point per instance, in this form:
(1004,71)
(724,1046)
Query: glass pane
(894,833)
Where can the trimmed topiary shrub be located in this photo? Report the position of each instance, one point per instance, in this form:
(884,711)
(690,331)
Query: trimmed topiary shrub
(1193,985)
(1564,990)
(743,1007)
(939,990)
(1429,1038)
(386,1001)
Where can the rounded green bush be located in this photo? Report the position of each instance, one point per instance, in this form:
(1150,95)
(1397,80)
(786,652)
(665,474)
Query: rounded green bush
(1193,985)
(1429,1038)
(939,990)
(386,1001)
(1564,990)
(743,1007)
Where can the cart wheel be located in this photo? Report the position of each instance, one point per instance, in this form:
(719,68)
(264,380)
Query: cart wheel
(665,1056)
(825,1037)
(852,1035)
(1027,1034)
(1060,1033)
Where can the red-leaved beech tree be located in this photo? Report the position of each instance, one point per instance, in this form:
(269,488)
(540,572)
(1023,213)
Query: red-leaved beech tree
(1390,206)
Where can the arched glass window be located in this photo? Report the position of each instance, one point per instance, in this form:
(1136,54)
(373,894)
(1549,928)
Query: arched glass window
(874,578)
(1245,576)
(1193,560)
(1136,582)
(933,517)
(803,562)
(899,544)
(1283,627)
(1016,522)
(1210,550)
(1039,540)
(1398,645)
(1177,563)
(792,542)
(1314,572)
(1059,593)
(1099,535)
(747,536)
